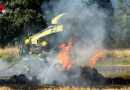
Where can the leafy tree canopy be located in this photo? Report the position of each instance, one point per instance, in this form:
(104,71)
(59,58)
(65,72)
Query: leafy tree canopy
(22,16)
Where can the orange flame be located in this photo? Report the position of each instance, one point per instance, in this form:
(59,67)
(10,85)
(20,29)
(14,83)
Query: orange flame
(95,58)
(65,60)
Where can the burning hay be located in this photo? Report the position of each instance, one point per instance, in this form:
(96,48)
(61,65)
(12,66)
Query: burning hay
(66,62)
(89,77)
(95,58)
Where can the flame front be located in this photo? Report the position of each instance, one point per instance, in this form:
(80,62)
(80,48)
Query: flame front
(64,55)
(95,58)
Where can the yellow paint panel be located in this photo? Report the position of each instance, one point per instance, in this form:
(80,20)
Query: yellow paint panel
(34,39)
(60,28)
(55,20)
(47,32)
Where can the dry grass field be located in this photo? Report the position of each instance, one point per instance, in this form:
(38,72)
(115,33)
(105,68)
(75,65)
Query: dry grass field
(115,57)
(9,53)
(111,57)
(62,88)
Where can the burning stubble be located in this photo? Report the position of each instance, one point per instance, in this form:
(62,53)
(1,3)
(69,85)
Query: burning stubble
(95,58)
(65,59)
(86,25)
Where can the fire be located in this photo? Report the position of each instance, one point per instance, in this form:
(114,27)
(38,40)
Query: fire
(95,58)
(63,55)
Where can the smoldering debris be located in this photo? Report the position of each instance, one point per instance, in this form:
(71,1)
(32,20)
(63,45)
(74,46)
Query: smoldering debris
(89,77)
(19,79)
(86,77)
(16,79)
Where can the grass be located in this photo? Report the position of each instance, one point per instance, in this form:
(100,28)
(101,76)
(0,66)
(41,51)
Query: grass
(5,88)
(123,74)
(9,53)
(115,57)
(65,88)
(88,88)
(111,57)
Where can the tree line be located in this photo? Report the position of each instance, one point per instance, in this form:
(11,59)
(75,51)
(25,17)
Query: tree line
(25,18)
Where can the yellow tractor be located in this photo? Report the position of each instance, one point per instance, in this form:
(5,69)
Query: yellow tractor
(44,40)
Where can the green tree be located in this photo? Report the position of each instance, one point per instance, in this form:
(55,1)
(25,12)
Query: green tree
(22,17)
(122,21)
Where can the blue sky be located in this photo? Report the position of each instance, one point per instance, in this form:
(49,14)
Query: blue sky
(113,2)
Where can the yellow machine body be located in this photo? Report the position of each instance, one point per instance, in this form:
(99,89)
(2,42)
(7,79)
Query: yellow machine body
(54,28)
(46,32)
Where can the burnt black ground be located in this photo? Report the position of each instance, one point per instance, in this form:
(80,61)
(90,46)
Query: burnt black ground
(97,79)
(88,77)
(16,79)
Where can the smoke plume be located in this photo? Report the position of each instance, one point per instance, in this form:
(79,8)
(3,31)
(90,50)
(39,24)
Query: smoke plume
(83,21)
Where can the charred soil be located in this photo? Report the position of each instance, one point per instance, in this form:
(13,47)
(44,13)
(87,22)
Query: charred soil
(88,77)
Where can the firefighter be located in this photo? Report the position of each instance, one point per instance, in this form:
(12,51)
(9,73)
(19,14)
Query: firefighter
(26,52)
(27,47)
(26,63)
(43,55)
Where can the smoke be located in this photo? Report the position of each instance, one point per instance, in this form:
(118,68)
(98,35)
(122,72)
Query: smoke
(20,67)
(85,23)
(7,70)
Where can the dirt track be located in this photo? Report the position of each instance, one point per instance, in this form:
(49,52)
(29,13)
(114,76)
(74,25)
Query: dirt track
(113,68)
(115,71)
(104,70)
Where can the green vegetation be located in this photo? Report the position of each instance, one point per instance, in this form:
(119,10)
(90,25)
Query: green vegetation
(22,18)
(121,19)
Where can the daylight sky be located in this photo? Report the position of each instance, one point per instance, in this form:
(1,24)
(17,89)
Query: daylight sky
(113,2)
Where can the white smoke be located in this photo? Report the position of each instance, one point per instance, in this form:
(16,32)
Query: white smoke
(7,69)
(18,67)
(83,21)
